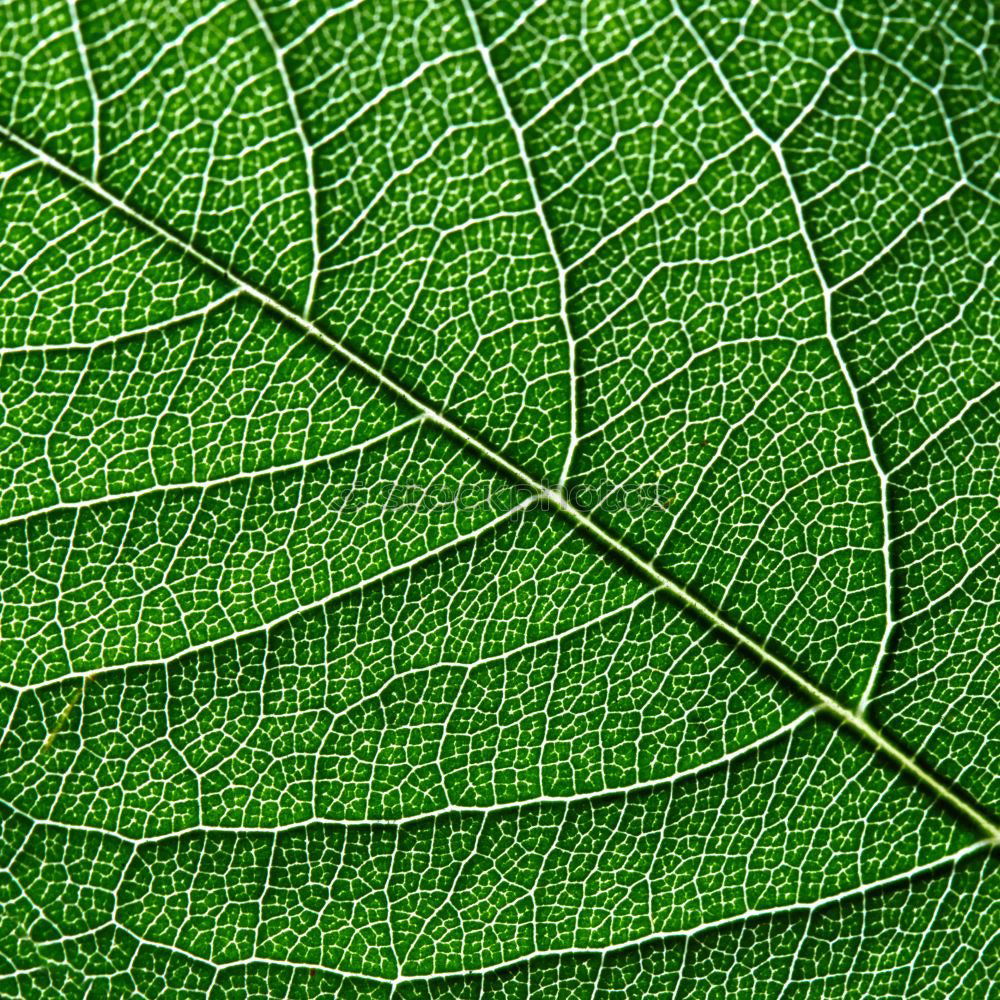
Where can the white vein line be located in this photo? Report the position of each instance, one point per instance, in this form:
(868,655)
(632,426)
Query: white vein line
(467,665)
(659,581)
(945,427)
(28,263)
(122,335)
(653,207)
(933,90)
(621,135)
(365,212)
(690,361)
(751,913)
(300,464)
(19,168)
(518,132)
(613,791)
(267,626)
(883,478)
(322,21)
(930,336)
(519,22)
(307,152)
(167,48)
(392,88)
(824,85)
(970,571)
(918,220)
(593,70)
(95,120)
(642,286)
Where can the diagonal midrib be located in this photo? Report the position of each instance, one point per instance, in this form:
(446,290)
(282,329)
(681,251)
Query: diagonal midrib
(958,800)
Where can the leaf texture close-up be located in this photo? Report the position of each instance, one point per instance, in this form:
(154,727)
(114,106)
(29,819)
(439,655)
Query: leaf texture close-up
(499,499)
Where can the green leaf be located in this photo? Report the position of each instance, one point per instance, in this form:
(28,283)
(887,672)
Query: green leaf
(499,499)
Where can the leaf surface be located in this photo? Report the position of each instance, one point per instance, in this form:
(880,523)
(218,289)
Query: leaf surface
(498,499)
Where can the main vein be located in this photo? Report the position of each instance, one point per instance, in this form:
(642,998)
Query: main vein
(660,581)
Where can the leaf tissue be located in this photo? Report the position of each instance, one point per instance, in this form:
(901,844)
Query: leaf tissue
(499,499)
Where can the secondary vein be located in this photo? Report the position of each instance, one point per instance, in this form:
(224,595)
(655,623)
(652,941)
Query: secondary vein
(883,478)
(518,132)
